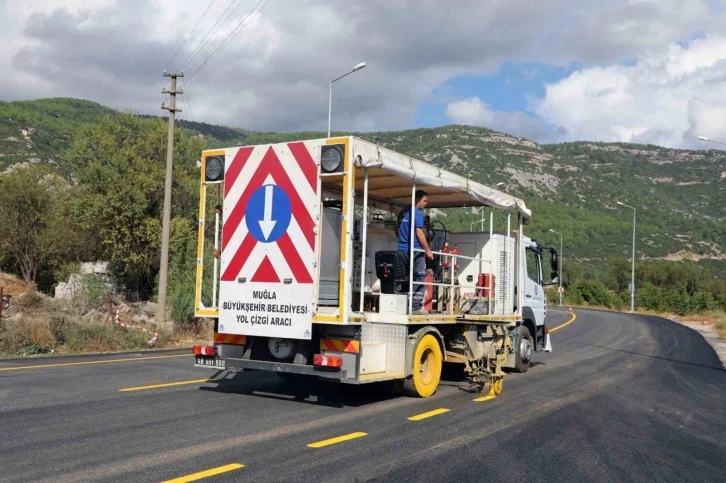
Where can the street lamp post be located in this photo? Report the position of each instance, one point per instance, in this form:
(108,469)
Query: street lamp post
(632,270)
(330,92)
(704,138)
(560,264)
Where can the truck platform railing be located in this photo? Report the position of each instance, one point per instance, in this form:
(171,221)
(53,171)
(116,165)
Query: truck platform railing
(452,285)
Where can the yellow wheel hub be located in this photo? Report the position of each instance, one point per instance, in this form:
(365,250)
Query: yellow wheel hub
(427,366)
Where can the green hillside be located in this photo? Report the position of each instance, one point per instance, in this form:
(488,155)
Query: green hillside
(40,130)
(571,187)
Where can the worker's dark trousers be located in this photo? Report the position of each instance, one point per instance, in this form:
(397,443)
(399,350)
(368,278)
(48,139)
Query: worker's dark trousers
(419,275)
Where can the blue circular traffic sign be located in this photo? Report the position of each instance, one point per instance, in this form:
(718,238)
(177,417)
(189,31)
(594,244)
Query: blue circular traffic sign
(268,213)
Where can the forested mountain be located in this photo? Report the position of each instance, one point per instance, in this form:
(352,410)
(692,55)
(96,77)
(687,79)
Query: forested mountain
(572,188)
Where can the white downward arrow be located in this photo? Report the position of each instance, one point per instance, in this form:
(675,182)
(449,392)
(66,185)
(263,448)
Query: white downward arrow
(267,224)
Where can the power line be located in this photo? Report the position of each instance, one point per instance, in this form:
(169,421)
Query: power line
(184,102)
(189,35)
(245,21)
(212,31)
(188,102)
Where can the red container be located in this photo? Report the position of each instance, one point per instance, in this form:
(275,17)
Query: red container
(485,280)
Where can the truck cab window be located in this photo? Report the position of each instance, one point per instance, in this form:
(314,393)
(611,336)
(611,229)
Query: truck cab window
(533,265)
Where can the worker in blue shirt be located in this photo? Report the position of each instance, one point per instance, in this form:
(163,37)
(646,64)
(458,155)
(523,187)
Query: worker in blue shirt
(403,230)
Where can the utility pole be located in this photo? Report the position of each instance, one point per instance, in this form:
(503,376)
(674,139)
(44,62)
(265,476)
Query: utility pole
(164,266)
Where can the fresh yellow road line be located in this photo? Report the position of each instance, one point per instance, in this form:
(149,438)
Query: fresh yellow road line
(168,384)
(429,414)
(204,474)
(484,398)
(572,319)
(339,439)
(108,361)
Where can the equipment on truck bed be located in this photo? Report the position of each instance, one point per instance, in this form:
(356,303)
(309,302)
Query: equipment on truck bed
(310,281)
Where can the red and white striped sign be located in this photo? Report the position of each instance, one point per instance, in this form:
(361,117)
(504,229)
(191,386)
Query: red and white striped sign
(268,239)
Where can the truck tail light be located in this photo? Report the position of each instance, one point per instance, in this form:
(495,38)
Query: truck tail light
(206,350)
(327,361)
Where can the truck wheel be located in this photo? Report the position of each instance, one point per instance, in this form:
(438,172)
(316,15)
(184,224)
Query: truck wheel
(427,363)
(523,351)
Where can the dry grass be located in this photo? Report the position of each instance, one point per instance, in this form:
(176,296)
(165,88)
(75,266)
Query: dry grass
(38,325)
(12,285)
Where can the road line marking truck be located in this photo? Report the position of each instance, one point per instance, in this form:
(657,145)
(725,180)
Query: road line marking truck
(306,278)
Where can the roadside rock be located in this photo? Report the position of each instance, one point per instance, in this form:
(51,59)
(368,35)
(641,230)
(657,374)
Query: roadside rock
(149,308)
(123,308)
(140,319)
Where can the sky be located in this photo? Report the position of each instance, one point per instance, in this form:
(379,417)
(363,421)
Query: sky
(650,71)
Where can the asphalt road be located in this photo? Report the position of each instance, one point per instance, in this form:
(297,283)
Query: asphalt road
(621,398)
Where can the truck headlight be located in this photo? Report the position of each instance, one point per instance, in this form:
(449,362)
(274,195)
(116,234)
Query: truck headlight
(214,168)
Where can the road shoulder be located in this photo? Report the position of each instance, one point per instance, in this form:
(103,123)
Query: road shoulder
(709,335)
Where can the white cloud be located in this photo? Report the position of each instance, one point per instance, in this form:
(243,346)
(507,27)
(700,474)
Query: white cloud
(470,111)
(666,97)
(275,74)
(474,112)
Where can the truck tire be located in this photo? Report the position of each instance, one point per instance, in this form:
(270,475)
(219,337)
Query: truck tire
(523,351)
(427,365)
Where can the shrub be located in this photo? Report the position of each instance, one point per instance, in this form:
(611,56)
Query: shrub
(30,301)
(615,301)
(703,302)
(678,301)
(26,336)
(650,297)
(58,327)
(591,292)
(29,335)
(92,294)
(97,337)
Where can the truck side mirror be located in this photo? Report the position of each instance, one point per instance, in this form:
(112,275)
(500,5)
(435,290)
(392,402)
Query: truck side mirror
(555,267)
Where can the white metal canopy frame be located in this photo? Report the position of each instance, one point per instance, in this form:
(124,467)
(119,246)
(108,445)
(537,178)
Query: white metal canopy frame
(446,188)
(393,178)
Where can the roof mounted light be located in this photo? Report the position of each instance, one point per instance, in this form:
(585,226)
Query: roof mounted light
(214,168)
(332,157)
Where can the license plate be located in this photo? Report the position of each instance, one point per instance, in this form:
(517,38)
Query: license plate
(211,362)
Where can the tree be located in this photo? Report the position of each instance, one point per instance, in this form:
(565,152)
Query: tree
(34,219)
(620,274)
(120,164)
